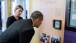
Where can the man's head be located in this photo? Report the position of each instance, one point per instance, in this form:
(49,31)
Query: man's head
(37,18)
(18,10)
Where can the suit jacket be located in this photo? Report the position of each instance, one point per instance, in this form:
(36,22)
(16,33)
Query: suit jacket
(20,31)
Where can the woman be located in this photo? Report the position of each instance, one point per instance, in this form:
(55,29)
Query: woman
(18,10)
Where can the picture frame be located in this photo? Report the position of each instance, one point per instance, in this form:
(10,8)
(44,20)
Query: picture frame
(55,39)
(57,24)
(44,38)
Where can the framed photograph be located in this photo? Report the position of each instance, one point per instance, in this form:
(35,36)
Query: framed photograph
(57,24)
(44,38)
(55,39)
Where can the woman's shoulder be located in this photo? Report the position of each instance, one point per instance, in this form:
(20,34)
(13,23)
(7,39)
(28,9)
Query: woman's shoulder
(20,18)
(10,17)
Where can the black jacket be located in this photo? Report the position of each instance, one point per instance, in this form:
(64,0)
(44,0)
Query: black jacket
(20,31)
(10,20)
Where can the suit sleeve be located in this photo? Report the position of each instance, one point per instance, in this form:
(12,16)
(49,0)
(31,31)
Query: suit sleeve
(9,22)
(26,36)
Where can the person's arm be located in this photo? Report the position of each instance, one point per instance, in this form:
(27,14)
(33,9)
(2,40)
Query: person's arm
(26,36)
(9,22)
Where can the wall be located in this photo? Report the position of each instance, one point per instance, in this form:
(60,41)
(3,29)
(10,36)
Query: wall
(35,5)
(9,8)
(53,9)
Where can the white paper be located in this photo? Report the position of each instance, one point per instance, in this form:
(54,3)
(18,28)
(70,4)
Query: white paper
(73,0)
(74,16)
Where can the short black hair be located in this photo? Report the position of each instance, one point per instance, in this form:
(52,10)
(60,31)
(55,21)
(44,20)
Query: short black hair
(37,14)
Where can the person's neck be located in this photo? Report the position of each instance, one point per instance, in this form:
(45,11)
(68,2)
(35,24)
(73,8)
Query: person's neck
(16,17)
(32,21)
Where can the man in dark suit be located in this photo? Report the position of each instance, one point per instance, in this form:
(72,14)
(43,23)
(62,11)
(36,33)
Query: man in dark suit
(22,31)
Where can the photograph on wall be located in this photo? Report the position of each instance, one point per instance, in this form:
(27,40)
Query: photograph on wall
(57,24)
(44,38)
(55,39)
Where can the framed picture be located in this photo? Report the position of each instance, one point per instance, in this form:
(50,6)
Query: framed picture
(57,24)
(55,39)
(44,38)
